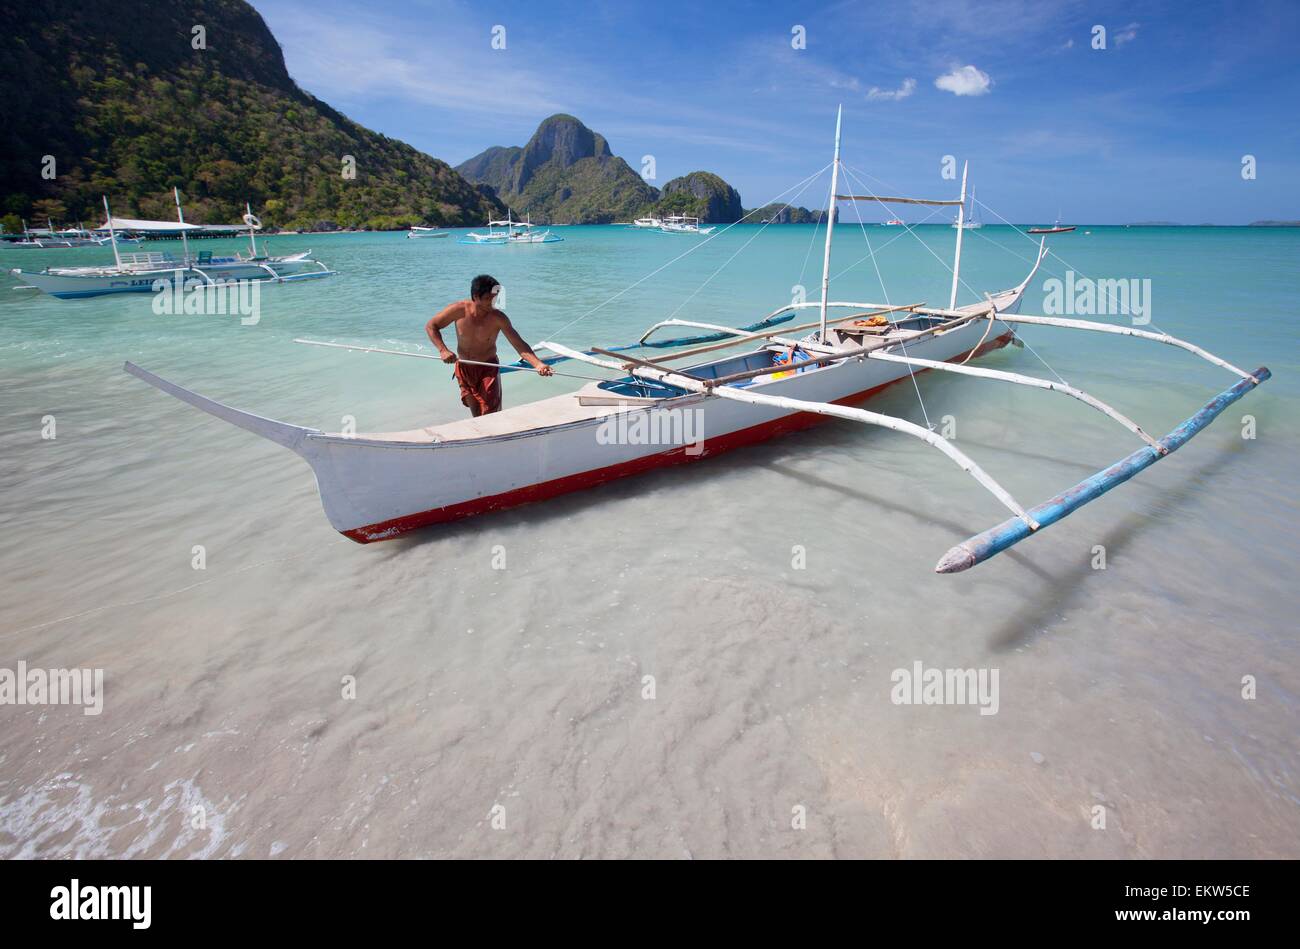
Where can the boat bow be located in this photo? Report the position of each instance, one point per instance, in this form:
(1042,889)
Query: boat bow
(282,433)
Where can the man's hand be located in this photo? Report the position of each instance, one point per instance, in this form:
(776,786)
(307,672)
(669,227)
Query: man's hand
(448,356)
(545,370)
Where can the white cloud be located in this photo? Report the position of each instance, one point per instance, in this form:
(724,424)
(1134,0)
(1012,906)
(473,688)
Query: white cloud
(965,81)
(893,95)
(1128,34)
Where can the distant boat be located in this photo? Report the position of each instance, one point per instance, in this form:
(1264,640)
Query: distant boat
(144,273)
(683,224)
(648,223)
(1054,229)
(50,239)
(509,231)
(894,222)
(971,223)
(417,231)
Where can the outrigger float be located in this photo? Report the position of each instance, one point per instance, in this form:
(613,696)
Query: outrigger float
(377,486)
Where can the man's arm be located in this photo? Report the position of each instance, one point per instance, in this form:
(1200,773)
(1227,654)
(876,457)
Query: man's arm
(435,327)
(524,350)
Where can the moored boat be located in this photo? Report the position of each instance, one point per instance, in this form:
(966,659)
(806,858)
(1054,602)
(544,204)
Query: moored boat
(683,224)
(509,231)
(151,271)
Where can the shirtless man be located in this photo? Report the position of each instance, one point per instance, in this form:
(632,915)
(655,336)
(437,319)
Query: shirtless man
(477,323)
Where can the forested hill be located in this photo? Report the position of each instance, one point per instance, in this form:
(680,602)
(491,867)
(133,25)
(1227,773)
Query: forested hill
(118,95)
(566,174)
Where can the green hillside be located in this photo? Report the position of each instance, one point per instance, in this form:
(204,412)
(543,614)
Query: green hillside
(128,108)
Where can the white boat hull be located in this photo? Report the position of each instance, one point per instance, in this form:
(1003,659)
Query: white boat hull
(80,282)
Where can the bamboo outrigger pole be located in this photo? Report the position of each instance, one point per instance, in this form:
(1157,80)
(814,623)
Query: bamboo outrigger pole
(711,388)
(830,225)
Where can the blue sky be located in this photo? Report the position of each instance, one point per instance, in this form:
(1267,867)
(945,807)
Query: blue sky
(1154,127)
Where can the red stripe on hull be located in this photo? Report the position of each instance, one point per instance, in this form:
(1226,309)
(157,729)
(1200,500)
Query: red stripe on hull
(386,530)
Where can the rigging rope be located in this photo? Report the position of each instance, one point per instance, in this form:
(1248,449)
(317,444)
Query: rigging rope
(728,261)
(910,370)
(689,251)
(963,283)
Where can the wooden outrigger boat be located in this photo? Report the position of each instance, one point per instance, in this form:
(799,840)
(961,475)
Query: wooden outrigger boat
(377,486)
(150,272)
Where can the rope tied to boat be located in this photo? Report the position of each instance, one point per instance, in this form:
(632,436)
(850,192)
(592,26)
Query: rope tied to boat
(992,315)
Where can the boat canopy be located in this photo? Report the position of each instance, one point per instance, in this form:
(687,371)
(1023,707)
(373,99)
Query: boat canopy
(132,224)
(168,227)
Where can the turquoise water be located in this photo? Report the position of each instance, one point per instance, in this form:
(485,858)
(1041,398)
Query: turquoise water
(524,685)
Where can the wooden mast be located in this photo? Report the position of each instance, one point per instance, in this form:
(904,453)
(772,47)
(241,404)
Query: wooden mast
(112,235)
(830,226)
(180,217)
(961,226)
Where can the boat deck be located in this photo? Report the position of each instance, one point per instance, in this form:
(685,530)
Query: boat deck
(545,413)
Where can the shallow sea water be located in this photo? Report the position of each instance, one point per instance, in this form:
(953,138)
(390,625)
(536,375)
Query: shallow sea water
(520,692)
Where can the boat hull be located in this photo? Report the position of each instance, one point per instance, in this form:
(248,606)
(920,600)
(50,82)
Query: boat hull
(376,490)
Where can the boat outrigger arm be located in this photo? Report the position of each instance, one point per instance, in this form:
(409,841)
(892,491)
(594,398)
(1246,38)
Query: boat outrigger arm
(1024,522)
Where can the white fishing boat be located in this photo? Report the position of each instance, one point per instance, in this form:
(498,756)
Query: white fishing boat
(648,223)
(146,272)
(510,231)
(376,486)
(416,231)
(683,224)
(894,222)
(971,222)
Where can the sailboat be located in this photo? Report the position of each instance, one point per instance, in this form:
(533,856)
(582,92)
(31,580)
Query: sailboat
(970,223)
(381,485)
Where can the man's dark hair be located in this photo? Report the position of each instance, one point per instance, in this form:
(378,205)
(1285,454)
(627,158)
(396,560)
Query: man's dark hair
(481,286)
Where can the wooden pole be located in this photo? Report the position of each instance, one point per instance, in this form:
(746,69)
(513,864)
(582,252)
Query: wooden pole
(821,408)
(747,337)
(180,216)
(1125,331)
(112,235)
